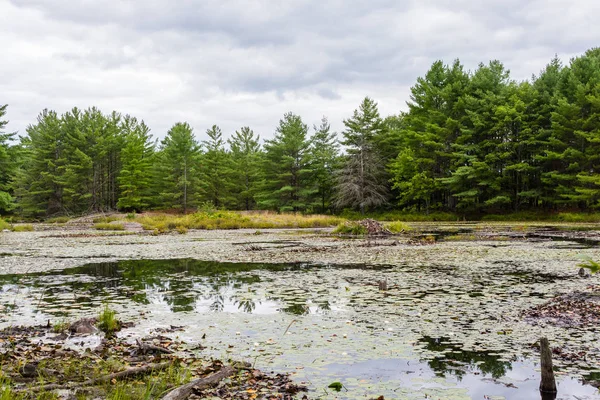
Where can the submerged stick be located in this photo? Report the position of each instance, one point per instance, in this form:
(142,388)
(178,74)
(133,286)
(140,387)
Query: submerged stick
(289,326)
(548,383)
(183,392)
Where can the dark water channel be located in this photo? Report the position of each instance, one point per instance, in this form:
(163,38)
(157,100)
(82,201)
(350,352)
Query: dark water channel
(342,328)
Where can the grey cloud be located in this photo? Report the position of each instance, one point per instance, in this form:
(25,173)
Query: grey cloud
(238,63)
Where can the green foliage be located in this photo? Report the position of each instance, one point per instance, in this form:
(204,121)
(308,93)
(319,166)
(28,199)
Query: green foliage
(287,185)
(107,321)
(177,165)
(591,265)
(61,326)
(350,228)
(58,220)
(215,173)
(246,172)
(9,159)
(137,157)
(398,227)
(362,181)
(325,161)
(23,228)
(161,223)
(472,143)
(4,225)
(108,226)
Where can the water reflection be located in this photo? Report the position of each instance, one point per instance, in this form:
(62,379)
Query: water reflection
(452,359)
(180,285)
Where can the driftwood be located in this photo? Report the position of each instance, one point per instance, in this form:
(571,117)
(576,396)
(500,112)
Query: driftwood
(183,392)
(145,348)
(548,384)
(103,379)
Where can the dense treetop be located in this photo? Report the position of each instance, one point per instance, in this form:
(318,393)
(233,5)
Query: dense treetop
(470,141)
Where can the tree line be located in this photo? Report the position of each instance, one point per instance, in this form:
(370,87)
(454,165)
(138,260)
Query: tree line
(470,141)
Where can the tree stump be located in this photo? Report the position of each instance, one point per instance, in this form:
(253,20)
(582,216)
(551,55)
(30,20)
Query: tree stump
(548,383)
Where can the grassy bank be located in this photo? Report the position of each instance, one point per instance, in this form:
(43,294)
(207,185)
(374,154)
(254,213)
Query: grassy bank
(522,216)
(233,220)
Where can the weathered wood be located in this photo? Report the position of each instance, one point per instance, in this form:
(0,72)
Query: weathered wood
(184,391)
(146,348)
(548,383)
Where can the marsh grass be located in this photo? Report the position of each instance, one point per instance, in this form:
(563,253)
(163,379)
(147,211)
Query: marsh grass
(78,369)
(4,225)
(23,228)
(398,227)
(161,223)
(107,321)
(107,226)
(60,326)
(350,228)
(107,219)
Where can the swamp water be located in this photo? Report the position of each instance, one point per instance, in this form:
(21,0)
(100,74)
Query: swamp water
(441,333)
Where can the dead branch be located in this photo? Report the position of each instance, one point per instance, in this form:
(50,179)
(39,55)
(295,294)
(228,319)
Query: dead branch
(183,392)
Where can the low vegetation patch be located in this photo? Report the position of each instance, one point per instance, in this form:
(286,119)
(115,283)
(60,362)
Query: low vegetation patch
(4,225)
(108,219)
(108,322)
(398,227)
(161,223)
(58,220)
(23,228)
(107,226)
(351,228)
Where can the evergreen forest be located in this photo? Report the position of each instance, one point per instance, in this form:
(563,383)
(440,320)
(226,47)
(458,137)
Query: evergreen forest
(469,142)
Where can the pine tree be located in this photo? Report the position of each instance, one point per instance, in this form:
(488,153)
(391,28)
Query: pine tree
(246,173)
(286,166)
(135,177)
(324,159)
(8,164)
(362,183)
(178,168)
(576,132)
(38,183)
(214,177)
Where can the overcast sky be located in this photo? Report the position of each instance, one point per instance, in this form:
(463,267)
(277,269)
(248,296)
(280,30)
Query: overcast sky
(235,63)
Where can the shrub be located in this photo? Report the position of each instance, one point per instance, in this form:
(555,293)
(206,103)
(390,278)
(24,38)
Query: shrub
(4,225)
(23,228)
(107,321)
(60,326)
(351,228)
(398,227)
(58,220)
(130,216)
(104,226)
(108,219)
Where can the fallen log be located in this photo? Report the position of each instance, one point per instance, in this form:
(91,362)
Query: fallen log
(183,392)
(103,379)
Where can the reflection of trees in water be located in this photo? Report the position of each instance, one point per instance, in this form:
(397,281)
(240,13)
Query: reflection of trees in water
(246,305)
(450,362)
(179,284)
